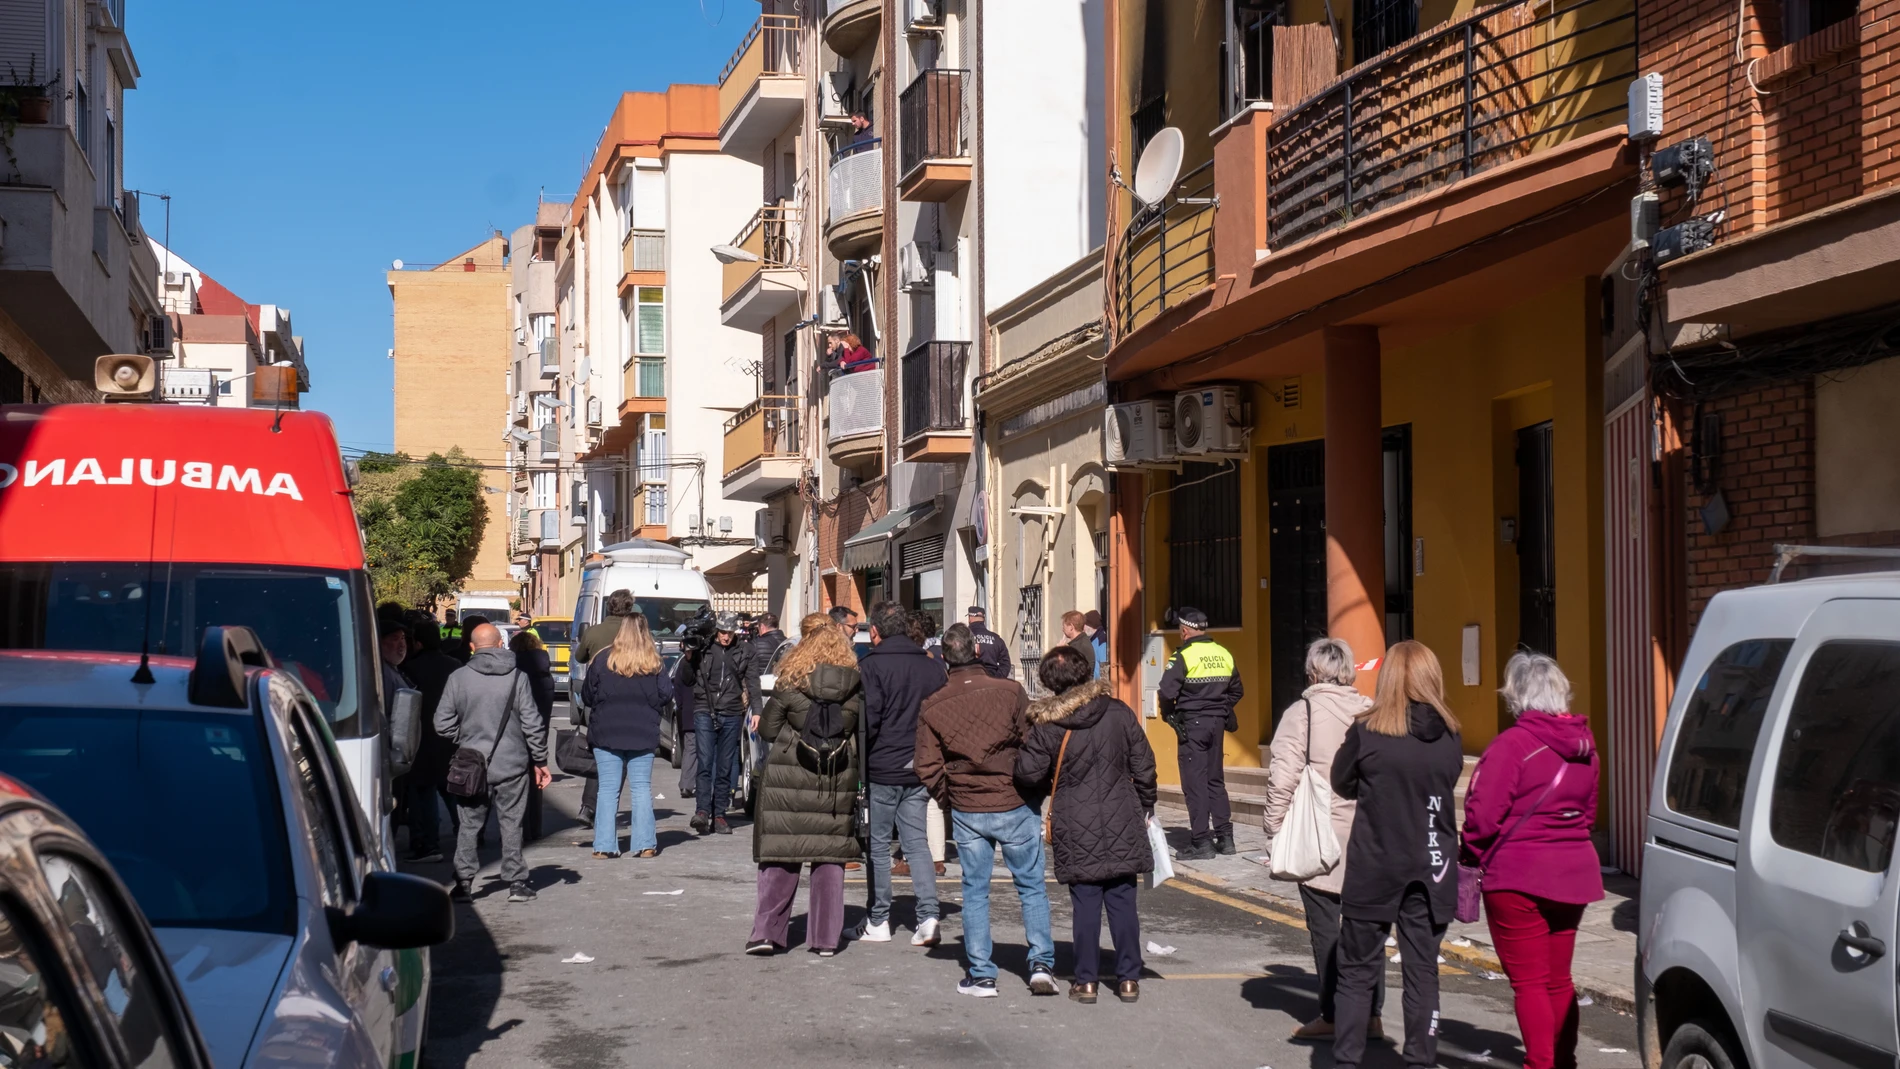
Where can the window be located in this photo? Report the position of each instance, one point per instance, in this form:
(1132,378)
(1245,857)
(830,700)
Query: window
(649,319)
(1204,542)
(326,836)
(649,199)
(27,991)
(544,407)
(117,966)
(1708,773)
(84,109)
(1837,784)
(544,489)
(112,161)
(1800,18)
(1381,24)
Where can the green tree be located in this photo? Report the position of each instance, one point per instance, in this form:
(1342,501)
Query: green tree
(422,522)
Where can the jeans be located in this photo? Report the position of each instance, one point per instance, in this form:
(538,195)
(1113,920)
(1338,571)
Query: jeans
(718,751)
(1362,967)
(824,907)
(1322,923)
(1204,779)
(637,767)
(906,808)
(1535,938)
(509,797)
(1088,901)
(1019,833)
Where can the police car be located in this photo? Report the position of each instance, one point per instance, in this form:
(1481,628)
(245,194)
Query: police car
(217,792)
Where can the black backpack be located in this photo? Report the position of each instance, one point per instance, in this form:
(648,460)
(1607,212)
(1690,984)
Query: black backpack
(823,748)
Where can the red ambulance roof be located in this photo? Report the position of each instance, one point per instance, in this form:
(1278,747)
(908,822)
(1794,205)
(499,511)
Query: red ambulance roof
(130,482)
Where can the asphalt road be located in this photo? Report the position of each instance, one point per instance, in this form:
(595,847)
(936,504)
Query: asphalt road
(668,985)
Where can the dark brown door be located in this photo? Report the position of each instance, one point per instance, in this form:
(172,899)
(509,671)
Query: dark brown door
(1536,542)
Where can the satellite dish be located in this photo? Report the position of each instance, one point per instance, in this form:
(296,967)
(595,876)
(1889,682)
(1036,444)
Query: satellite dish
(586,370)
(1159,166)
(732,254)
(396,265)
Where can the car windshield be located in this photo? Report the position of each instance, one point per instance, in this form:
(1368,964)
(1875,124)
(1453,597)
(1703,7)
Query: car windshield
(554,632)
(304,617)
(183,804)
(665,616)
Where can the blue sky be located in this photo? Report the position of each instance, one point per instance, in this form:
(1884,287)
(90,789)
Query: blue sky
(306,145)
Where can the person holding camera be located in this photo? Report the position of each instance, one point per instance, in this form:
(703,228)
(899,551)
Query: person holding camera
(1197,695)
(715,670)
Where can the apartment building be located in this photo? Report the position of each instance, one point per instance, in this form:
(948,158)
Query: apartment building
(219,349)
(78,279)
(454,347)
(655,373)
(545,429)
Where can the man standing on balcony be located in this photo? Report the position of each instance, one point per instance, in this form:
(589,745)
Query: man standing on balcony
(861,129)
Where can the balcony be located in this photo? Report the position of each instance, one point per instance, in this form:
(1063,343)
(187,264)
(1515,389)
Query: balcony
(548,352)
(548,442)
(762,454)
(643,384)
(855,185)
(933,124)
(850,24)
(647,512)
(762,89)
(1468,97)
(935,421)
(856,434)
(757,289)
(1168,255)
(642,259)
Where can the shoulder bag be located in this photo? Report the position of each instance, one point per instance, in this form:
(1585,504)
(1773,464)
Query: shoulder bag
(1306,846)
(468,769)
(1471,880)
(1049,813)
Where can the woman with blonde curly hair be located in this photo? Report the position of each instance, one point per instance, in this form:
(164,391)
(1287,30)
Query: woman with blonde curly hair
(808,797)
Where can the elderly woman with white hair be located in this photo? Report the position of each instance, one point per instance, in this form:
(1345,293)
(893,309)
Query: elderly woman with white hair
(1309,733)
(1529,811)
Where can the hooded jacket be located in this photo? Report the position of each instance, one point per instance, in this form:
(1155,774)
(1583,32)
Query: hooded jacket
(1549,855)
(803,816)
(967,737)
(1404,832)
(1334,708)
(487,698)
(898,676)
(1105,787)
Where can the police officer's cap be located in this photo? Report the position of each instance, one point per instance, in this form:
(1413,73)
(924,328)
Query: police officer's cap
(1189,616)
(974,610)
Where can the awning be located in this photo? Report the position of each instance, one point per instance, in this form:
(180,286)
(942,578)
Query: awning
(744,566)
(870,548)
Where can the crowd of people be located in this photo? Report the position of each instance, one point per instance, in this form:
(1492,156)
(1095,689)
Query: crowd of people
(880,736)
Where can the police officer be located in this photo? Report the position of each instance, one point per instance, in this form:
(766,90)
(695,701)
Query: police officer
(991,651)
(1197,695)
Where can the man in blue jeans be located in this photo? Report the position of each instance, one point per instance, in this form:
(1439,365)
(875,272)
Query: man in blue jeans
(898,676)
(716,676)
(967,738)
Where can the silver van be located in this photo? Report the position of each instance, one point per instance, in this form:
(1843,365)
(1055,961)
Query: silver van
(1770,890)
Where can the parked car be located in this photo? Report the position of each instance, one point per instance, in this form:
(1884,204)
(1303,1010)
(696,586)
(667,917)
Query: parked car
(216,790)
(1767,935)
(83,981)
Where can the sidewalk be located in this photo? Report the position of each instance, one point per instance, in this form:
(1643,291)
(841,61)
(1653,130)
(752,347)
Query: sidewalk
(1606,944)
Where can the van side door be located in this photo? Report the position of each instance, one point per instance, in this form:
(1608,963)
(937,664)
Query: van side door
(1816,879)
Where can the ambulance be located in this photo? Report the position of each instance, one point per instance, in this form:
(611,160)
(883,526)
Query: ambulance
(133,527)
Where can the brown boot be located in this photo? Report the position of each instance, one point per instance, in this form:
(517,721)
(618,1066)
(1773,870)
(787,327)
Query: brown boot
(900,868)
(1128,990)
(1083,993)
(1317,1028)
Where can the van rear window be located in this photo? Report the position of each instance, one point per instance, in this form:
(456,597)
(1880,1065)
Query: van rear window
(1708,773)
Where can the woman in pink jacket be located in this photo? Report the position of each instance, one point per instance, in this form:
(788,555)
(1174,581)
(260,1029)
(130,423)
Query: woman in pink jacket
(1529,811)
(1310,731)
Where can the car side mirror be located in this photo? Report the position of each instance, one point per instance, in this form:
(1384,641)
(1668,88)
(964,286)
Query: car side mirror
(396,911)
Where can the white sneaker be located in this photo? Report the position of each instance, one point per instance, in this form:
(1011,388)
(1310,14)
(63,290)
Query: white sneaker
(1041,983)
(872,933)
(926,934)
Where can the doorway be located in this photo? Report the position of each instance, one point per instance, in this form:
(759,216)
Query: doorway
(1296,562)
(1401,561)
(1536,541)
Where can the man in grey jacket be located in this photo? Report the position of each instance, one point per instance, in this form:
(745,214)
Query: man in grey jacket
(488,707)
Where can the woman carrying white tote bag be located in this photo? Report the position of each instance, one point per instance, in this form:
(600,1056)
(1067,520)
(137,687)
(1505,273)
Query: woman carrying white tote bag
(1307,825)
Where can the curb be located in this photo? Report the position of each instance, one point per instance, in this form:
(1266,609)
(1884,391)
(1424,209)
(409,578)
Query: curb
(1619,999)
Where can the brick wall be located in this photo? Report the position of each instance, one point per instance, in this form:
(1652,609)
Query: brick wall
(1767,480)
(1813,143)
(1880,108)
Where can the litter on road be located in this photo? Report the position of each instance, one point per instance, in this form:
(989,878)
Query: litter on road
(577,958)
(681,891)
(1158,950)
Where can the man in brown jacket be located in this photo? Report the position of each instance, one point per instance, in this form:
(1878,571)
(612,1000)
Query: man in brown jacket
(967,737)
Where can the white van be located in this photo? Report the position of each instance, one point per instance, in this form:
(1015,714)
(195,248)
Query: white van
(1770,892)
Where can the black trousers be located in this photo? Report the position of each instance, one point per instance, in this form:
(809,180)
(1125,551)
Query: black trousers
(1087,900)
(1362,967)
(1322,923)
(1204,778)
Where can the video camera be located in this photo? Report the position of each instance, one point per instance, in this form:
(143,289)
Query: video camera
(697,634)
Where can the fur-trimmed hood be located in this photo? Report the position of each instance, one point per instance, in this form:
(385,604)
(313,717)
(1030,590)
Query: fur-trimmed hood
(1058,707)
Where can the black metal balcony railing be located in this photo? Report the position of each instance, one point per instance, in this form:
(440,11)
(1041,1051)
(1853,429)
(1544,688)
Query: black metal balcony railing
(930,119)
(1476,93)
(932,388)
(1167,252)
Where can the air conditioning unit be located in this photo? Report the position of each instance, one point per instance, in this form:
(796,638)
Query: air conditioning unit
(832,312)
(923,12)
(834,92)
(593,412)
(550,526)
(768,529)
(1138,432)
(158,333)
(129,213)
(1209,420)
(914,262)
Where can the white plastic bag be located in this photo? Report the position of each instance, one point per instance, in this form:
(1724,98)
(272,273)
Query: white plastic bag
(1306,846)
(1158,846)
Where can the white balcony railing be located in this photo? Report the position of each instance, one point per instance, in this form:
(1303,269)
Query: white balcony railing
(856,181)
(857,404)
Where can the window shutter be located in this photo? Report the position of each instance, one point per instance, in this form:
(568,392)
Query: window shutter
(651,325)
(649,199)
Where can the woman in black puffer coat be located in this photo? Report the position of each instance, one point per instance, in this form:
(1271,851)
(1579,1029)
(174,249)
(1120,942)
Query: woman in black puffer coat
(1090,751)
(806,817)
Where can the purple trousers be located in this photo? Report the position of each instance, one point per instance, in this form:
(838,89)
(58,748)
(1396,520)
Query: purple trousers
(824,909)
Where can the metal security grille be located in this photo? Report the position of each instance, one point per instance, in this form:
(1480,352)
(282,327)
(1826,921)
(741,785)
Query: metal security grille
(1204,542)
(930,118)
(1380,24)
(933,388)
